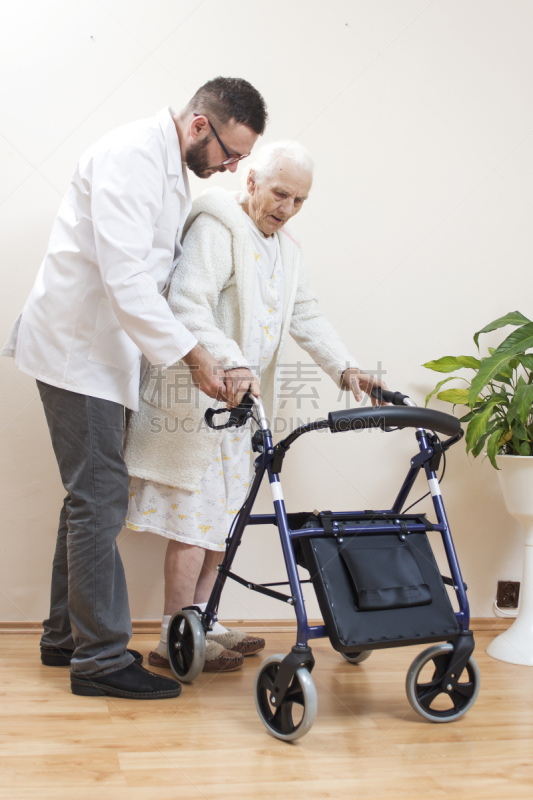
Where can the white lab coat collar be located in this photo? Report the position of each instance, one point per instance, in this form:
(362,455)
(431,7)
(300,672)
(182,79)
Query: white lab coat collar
(175,164)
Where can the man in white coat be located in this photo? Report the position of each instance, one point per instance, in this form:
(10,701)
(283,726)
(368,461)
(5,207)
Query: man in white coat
(95,310)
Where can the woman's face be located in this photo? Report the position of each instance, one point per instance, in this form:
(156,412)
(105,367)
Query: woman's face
(274,201)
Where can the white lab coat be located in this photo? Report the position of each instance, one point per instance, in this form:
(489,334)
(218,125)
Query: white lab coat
(96,305)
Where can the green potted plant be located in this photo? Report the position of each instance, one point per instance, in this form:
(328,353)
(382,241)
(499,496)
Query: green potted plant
(500,394)
(499,398)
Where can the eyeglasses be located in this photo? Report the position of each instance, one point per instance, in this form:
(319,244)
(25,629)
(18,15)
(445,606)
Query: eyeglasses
(230,159)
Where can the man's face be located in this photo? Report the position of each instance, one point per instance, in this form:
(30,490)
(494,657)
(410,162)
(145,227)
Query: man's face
(273,202)
(204,156)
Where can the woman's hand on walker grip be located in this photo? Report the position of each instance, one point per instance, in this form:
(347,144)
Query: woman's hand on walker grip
(207,373)
(357,382)
(238,382)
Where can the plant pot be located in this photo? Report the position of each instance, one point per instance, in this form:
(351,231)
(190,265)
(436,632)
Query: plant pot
(516,480)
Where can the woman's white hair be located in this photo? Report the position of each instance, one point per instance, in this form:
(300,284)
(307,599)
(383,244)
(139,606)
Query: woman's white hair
(264,162)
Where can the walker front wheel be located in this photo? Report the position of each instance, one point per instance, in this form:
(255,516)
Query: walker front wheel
(186,646)
(357,657)
(297,712)
(429,697)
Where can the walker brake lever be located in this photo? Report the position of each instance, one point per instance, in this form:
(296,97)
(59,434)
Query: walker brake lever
(237,416)
(396,398)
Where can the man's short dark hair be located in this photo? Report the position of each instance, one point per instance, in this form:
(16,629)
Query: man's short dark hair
(224,99)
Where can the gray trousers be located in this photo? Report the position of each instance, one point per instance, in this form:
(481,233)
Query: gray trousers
(89,609)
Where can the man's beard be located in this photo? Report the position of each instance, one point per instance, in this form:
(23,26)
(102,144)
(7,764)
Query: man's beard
(197,161)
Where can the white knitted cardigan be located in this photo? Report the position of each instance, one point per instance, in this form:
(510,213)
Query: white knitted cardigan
(212,293)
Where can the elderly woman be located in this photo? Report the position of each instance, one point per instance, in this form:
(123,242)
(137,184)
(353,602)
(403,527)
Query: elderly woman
(241,288)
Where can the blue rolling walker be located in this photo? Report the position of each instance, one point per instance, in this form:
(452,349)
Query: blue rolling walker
(374,573)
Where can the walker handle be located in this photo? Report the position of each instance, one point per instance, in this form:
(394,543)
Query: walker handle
(351,419)
(396,398)
(237,416)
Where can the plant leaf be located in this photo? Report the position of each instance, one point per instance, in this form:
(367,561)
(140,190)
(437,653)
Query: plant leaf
(512,411)
(512,318)
(506,371)
(454,396)
(501,377)
(469,361)
(476,428)
(444,364)
(479,423)
(503,396)
(519,431)
(480,443)
(526,361)
(493,446)
(441,383)
(515,344)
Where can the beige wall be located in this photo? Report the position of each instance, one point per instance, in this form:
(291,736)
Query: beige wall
(417,233)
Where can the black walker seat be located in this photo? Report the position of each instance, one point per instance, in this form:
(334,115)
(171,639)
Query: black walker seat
(374,573)
(377,590)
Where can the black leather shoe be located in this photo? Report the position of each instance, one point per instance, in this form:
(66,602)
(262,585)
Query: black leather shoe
(132,681)
(60,656)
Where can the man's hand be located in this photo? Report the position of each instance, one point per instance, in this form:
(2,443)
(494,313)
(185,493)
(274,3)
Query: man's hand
(206,372)
(238,382)
(359,382)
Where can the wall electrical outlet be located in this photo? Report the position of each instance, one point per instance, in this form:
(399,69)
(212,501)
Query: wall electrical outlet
(507,594)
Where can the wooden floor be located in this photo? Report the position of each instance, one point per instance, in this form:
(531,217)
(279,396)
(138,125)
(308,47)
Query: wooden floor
(209,743)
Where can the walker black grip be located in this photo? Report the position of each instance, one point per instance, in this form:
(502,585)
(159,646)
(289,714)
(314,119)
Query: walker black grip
(208,416)
(396,398)
(352,419)
(237,416)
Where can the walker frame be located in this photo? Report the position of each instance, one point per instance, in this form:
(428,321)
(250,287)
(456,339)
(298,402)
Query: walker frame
(285,680)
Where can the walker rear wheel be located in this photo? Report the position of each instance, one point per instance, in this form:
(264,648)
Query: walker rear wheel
(297,712)
(357,657)
(428,697)
(186,646)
